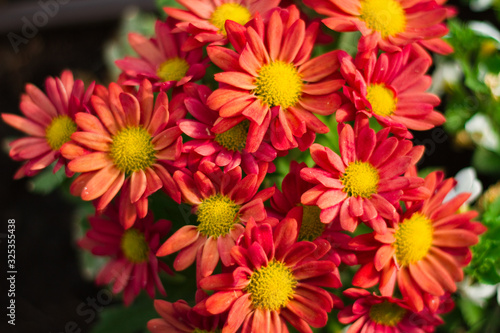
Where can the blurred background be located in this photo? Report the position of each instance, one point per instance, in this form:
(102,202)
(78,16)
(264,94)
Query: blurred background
(41,38)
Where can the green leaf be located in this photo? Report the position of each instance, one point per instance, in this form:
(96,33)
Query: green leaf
(121,319)
(472,313)
(486,161)
(46,181)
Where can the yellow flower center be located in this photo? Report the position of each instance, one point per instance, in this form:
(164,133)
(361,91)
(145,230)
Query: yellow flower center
(387,313)
(381,99)
(279,83)
(271,287)
(132,149)
(385,16)
(229,11)
(59,131)
(360,179)
(311,227)
(172,69)
(234,138)
(134,246)
(413,239)
(217,216)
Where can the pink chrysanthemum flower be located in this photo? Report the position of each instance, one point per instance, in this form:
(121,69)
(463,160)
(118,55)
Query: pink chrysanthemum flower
(388,24)
(125,145)
(286,203)
(270,80)
(205,20)
(49,122)
(161,60)
(275,280)
(372,313)
(179,317)
(223,203)
(226,149)
(133,266)
(425,251)
(366,181)
(392,89)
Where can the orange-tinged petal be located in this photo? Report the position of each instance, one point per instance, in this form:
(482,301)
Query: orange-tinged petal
(100,183)
(90,162)
(179,240)
(25,125)
(95,141)
(138,184)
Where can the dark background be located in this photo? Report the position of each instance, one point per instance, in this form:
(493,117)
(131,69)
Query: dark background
(49,284)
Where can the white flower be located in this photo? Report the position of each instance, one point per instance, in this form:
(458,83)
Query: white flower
(467,182)
(481,132)
(478,293)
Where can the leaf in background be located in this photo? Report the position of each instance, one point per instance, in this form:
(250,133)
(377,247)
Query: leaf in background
(472,313)
(120,319)
(486,161)
(46,181)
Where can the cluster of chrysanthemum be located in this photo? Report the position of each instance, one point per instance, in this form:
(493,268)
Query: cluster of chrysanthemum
(277,250)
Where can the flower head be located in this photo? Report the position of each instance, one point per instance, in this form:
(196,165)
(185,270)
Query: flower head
(425,251)
(223,203)
(271,81)
(388,24)
(133,265)
(126,144)
(49,122)
(366,181)
(391,88)
(372,313)
(286,203)
(161,61)
(205,20)
(275,280)
(226,149)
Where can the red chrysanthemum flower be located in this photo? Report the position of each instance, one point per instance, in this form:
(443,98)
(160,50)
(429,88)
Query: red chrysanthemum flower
(366,181)
(270,80)
(125,145)
(275,280)
(372,313)
(49,122)
(161,60)
(205,19)
(286,203)
(226,149)
(425,251)
(178,317)
(392,89)
(223,203)
(133,266)
(388,24)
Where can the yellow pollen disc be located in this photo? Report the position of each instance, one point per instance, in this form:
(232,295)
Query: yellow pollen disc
(387,313)
(217,216)
(134,246)
(59,131)
(279,83)
(132,150)
(172,69)
(311,227)
(382,100)
(235,138)
(229,11)
(385,16)
(271,287)
(360,179)
(413,239)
